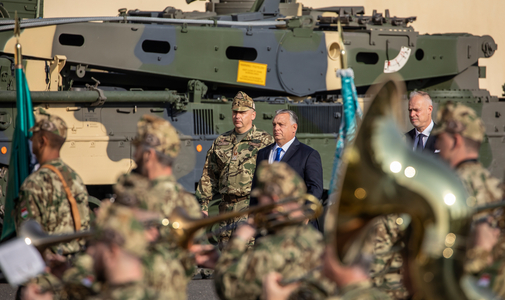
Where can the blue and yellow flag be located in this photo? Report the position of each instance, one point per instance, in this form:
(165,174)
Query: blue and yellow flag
(19,163)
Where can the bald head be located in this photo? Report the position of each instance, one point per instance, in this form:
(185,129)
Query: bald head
(420,108)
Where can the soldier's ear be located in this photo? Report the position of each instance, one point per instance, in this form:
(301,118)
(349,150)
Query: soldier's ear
(253,115)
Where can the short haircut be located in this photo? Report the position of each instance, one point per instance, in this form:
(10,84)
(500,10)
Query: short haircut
(425,95)
(471,144)
(55,141)
(163,159)
(292,116)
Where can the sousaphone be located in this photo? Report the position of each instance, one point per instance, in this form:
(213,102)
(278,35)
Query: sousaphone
(384,176)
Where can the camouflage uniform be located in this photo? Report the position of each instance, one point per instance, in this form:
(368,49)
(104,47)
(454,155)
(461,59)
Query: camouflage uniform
(42,197)
(163,193)
(386,270)
(482,187)
(292,250)
(118,225)
(361,291)
(229,168)
(167,266)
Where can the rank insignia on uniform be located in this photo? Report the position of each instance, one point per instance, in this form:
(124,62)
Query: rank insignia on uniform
(24,213)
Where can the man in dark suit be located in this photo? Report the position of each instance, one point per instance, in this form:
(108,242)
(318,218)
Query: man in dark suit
(420,109)
(302,158)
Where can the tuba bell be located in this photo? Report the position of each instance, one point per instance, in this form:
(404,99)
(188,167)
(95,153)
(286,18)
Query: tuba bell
(383,176)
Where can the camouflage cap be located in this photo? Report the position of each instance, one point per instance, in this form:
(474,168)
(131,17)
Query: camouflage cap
(132,190)
(159,134)
(242,102)
(459,118)
(278,178)
(118,224)
(51,123)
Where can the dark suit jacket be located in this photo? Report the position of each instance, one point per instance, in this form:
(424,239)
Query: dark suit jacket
(430,143)
(304,160)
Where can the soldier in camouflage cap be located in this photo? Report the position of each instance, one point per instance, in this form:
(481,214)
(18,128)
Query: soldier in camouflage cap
(459,135)
(156,146)
(242,102)
(42,195)
(231,162)
(458,118)
(291,250)
(278,179)
(49,123)
(118,246)
(158,134)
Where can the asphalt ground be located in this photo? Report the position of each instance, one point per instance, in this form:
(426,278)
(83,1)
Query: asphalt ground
(197,290)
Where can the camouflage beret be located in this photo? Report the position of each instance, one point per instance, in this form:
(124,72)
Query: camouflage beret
(278,178)
(51,123)
(117,224)
(459,118)
(159,134)
(242,102)
(132,190)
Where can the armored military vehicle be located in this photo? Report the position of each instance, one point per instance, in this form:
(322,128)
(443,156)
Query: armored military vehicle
(101,74)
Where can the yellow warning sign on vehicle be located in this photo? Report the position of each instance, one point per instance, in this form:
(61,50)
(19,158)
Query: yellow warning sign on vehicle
(253,73)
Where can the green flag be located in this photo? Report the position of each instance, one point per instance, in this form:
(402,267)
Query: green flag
(19,163)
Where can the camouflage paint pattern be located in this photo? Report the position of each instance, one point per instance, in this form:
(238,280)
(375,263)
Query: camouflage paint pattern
(230,165)
(291,251)
(483,189)
(387,270)
(50,123)
(459,118)
(43,199)
(161,195)
(242,102)
(361,291)
(164,273)
(158,134)
(280,179)
(129,291)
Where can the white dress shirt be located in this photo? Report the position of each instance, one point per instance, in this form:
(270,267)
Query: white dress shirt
(426,133)
(285,148)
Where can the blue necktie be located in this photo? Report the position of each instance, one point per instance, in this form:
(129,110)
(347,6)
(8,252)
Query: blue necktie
(278,154)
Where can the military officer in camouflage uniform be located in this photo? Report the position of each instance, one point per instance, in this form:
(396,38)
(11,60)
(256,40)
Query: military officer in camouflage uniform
(291,250)
(460,133)
(230,163)
(42,196)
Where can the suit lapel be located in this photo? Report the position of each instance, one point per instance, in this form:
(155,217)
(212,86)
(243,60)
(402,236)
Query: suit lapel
(430,144)
(267,151)
(291,151)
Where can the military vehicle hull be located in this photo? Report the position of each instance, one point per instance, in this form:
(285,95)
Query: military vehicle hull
(101,77)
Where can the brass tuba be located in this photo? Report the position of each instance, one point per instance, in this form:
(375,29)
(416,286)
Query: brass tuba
(383,176)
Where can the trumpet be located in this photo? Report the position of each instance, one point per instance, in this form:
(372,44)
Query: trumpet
(184,227)
(34,234)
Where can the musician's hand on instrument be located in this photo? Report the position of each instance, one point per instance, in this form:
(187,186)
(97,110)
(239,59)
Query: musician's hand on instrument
(56,263)
(486,235)
(205,255)
(273,290)
(246,230)
(34,292)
